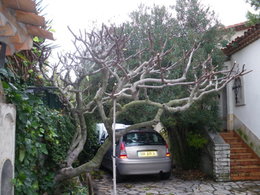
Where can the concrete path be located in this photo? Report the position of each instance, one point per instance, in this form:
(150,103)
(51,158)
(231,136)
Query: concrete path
(152,185)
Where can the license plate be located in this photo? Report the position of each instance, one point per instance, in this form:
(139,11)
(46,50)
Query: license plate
(147,153)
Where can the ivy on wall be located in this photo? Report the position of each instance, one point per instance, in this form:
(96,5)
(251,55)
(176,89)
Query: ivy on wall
(42,136)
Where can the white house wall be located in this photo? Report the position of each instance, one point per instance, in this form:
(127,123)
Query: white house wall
(7,147)
(249,113)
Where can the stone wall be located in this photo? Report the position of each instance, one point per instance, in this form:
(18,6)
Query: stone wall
(7,147)
(215,160)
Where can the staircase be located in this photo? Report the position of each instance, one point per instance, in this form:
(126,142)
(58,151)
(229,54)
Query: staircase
(244,163)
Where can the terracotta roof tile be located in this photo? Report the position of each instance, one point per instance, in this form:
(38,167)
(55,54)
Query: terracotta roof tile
(19,23)
(251,35)
(238,27)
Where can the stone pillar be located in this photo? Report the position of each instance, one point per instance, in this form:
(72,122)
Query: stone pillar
(221,162)
(7,147)
(218,152)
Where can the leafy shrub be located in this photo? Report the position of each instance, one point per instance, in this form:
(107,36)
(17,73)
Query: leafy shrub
(196,140)
(42,136)
(186,129)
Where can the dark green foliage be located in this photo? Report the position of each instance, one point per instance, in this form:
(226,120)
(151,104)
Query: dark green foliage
(43,134)
(186,130)
(42,139)
(77,190)
(136,114)
(191,24)
(253,18)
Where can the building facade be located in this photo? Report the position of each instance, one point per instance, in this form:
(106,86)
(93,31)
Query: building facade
(240,103)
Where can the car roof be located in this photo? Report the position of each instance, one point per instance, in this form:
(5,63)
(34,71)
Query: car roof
(141,130)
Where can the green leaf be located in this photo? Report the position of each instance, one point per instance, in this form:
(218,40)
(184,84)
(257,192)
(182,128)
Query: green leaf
(5,85)
(4,72)
(44,149)
(36,39)
(25,97)
(23,57)
(42,130)
(35,185)
(52,30)
(21,154)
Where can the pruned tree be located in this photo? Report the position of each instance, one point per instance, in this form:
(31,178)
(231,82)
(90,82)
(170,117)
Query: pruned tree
(113,63)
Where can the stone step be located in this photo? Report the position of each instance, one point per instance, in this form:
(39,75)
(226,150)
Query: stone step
(239,150)
(243,178)
(249,161)
(240,155)
(228,134)
(237,144)
(253,159)
(247,173)
(248,168)
(233,141)
(244,163)
(229,137)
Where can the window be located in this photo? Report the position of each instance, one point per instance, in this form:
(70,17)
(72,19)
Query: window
(238,89)
(143,138)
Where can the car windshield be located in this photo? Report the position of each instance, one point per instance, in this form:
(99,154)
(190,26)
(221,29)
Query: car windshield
(143,138)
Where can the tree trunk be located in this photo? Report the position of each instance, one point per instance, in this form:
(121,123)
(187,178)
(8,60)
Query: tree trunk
(67,173)
(178,143)
(79,140)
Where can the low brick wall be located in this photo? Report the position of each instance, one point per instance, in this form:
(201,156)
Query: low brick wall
(216,157)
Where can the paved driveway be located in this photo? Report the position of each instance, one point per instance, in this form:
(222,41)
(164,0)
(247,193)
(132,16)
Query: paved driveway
(151,185)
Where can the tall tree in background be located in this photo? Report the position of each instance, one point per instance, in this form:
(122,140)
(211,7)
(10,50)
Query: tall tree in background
(198,23)
(253,18)
(167,62)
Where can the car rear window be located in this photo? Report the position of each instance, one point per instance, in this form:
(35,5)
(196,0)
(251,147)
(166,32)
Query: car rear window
(143,138)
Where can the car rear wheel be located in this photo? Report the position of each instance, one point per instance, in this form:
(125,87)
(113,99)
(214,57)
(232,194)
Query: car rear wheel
(119,177)
(165,176)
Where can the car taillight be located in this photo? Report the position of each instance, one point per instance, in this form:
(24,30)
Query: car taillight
(122,154)
(168,154)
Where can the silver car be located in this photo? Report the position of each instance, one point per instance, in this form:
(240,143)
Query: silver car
(140,152)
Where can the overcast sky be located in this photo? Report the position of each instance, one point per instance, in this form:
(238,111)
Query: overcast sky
(82,13)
